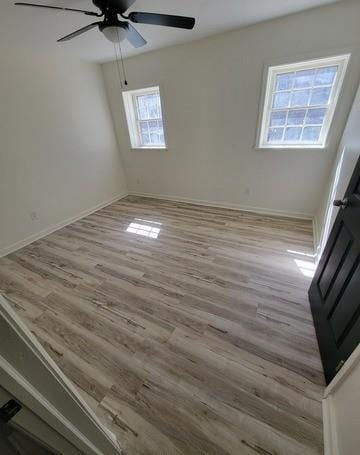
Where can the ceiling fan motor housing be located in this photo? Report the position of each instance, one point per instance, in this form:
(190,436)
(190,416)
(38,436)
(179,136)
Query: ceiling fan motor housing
(99,4)
(114,6)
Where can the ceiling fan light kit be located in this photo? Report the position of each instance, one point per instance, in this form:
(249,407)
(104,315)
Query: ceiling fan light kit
(114,33)
(116,29)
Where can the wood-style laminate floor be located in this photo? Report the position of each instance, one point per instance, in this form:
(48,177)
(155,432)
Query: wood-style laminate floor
(187,328)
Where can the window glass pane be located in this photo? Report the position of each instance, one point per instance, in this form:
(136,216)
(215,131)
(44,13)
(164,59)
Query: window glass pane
(142,107)
(278,118)
(144,127)
(320,96)
(156,131)
(149,106)
(293,134)
(152,132)
(275,134)
(153,126)
(300,98)
(304,79)
(154,106)
(296,117)
(311,133)
(145,139)
(326,76)
(281,100)
(284,81)
(315,116)
(154,138)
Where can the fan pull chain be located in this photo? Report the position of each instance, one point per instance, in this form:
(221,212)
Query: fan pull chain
(118,66)
(123,65)
(122,59)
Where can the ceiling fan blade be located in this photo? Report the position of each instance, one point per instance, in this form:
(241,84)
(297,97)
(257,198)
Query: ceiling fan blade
(121,5)
(162,19)
(78,32)
(58,8)
(134,37)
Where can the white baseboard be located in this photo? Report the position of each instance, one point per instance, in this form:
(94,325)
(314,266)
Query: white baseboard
(32,238)
(316,235)
(243,208)
(22,243)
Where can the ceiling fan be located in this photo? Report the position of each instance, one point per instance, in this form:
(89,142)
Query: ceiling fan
(115,29)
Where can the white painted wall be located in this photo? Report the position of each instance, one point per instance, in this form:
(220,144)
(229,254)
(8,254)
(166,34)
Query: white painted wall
(341,407)
(211,91)
(58,151)
(344,164)
(347,409)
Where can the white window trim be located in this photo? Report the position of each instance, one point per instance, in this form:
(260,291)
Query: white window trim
(341,60)
(130,104)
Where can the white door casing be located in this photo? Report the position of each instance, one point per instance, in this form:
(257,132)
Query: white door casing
(29,374)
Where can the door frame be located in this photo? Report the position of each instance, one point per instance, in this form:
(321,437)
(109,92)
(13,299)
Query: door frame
(29,374)
(331,446)
(39,431)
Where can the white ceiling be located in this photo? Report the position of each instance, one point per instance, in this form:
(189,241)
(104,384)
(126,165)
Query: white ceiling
(39,29)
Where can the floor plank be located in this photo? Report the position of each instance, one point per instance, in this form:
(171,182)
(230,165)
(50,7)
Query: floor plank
(187,328)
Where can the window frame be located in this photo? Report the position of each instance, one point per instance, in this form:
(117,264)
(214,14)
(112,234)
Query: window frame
(267,99)
(133,117)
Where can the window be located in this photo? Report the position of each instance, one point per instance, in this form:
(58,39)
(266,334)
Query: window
(300,101)
(144,118)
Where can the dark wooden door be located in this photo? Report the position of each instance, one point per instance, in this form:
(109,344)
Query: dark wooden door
(335,291)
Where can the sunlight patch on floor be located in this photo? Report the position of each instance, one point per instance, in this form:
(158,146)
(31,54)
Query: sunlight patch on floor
(300,253)
(146,230)
(306,268)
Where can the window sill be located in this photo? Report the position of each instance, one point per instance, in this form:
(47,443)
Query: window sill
(149,148)
(290,147)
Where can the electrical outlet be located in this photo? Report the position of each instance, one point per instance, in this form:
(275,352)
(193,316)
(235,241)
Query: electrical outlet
(247,191)
(33,216)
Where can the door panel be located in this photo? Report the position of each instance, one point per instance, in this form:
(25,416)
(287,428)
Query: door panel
(336,257)
(335,291)
(340,282)
(342,318)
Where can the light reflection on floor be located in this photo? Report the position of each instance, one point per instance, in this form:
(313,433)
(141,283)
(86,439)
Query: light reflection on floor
(306,264)
(150,229)
(300,253)
(306,268)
